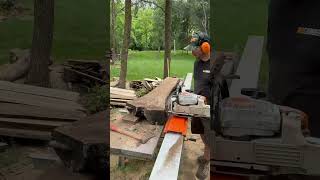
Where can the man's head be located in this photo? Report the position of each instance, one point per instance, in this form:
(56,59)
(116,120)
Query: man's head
(200,45)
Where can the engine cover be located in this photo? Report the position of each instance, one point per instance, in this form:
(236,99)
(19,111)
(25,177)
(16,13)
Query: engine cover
(244,116)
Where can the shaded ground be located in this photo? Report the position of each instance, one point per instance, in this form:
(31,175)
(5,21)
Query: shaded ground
(141,170)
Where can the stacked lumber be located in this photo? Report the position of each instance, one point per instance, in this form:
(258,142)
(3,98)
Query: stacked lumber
(33,112)
(89,73)
(119,97)
(147,83)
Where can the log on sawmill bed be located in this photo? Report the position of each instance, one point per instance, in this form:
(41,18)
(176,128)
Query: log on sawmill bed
(83,145)
(153,105)
(33,112)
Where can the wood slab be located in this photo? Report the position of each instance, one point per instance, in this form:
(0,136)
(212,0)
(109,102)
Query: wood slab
(153,105)
(35,112)
(88,140)
(39,91)
(24,133)
(125,146)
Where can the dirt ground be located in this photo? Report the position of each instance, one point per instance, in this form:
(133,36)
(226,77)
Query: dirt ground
(141,170)
(16,164)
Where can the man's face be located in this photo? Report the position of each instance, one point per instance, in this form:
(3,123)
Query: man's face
(197,52)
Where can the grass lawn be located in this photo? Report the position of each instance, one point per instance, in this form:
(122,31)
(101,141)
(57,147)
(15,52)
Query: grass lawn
(79,31)
(149,64)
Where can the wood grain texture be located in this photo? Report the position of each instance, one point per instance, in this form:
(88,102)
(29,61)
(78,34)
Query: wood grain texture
(153,105)
(39,91)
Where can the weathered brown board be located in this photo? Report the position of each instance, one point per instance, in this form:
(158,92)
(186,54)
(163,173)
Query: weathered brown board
(114,90)
(41,101)
(153,105)
(125,146)
(25,133)
(117,96)
(27,111)
(88,140)
(118,104)
(39,91)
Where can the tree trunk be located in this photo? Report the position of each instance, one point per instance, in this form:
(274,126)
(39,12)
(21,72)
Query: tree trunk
(126,42)
(42,43)
(167,38)
(113,26)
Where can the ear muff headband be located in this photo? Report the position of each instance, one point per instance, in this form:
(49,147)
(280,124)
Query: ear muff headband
(204,43)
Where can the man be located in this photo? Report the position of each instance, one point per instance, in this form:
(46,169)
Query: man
(294,57)
(201,48)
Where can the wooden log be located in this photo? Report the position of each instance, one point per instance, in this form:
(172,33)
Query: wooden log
(152,106)
(16,70)
(40,91)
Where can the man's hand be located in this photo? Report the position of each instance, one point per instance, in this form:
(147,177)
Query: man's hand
(203,98)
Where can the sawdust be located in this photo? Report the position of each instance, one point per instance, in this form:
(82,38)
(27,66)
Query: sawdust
(173,151)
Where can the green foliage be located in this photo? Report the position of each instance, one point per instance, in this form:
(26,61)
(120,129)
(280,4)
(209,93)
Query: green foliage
(7,5)
(97,99)
(141,92)
(148,23)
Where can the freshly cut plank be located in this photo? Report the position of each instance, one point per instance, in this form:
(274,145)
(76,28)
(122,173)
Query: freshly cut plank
(24,133)
(153,105)
(126,146)
(40,91)
(41,101)
(26,111)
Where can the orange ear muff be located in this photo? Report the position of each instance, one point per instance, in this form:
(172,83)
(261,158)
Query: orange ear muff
(205,47)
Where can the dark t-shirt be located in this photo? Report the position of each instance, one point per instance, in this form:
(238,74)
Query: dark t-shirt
(294,57)
(201,74)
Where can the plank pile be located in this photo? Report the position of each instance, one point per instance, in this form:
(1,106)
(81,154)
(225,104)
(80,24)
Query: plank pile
(147,83)
(33,112)
(90,73)
(119,97)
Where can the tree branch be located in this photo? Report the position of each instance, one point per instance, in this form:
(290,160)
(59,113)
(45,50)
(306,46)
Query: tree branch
(151,2)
